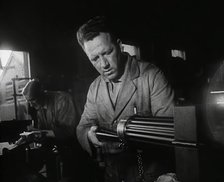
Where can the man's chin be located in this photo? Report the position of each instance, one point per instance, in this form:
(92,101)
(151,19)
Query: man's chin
(111,77)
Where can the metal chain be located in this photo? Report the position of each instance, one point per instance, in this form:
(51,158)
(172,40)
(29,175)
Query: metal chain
(140,166)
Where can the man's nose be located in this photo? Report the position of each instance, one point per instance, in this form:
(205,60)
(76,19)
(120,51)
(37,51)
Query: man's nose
(104,62)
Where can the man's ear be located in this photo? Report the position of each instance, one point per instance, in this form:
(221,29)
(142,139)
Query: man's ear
(120,44)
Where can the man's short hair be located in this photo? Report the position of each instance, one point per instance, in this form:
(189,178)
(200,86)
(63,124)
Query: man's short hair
(92,28)
(32,90)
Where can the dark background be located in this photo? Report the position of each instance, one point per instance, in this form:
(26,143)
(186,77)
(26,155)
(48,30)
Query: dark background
(46,29)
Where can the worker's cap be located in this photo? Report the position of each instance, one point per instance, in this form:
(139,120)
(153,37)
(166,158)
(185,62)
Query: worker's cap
(32,90)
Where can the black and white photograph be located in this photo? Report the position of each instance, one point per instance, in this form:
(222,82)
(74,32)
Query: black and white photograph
(111,91)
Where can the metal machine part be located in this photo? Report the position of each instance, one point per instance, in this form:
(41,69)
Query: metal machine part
(214,106)
(141,129)
(146,129)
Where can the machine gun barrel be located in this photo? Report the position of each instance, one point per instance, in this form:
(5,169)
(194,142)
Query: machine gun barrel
(158,118)
(144,129)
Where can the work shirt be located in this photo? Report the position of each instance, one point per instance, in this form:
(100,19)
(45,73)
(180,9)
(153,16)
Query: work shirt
(113,89)
(58,114)
(144,87)
(143,90)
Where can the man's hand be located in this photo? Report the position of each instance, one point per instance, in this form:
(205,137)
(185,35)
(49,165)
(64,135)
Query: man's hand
(49,133)
(92,137)
(34,136)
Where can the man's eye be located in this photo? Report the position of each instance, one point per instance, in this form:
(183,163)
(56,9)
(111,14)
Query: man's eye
(95,59)
(109,52)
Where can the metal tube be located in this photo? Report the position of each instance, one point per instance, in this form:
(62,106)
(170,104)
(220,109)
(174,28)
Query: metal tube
(151,123)
(150,132)
(156,128)
(149,137)
(103,134)
(15,98)
(163,119)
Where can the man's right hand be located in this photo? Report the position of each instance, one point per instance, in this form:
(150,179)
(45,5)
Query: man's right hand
(92,137)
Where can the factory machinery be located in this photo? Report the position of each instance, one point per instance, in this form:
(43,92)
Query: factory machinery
(195,133)
(198,153)
(197,142)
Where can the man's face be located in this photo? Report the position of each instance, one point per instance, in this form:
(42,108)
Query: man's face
(34,103)
(105,55)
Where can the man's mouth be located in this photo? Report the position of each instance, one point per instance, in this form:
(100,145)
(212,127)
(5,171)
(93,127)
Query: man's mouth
(107,73)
